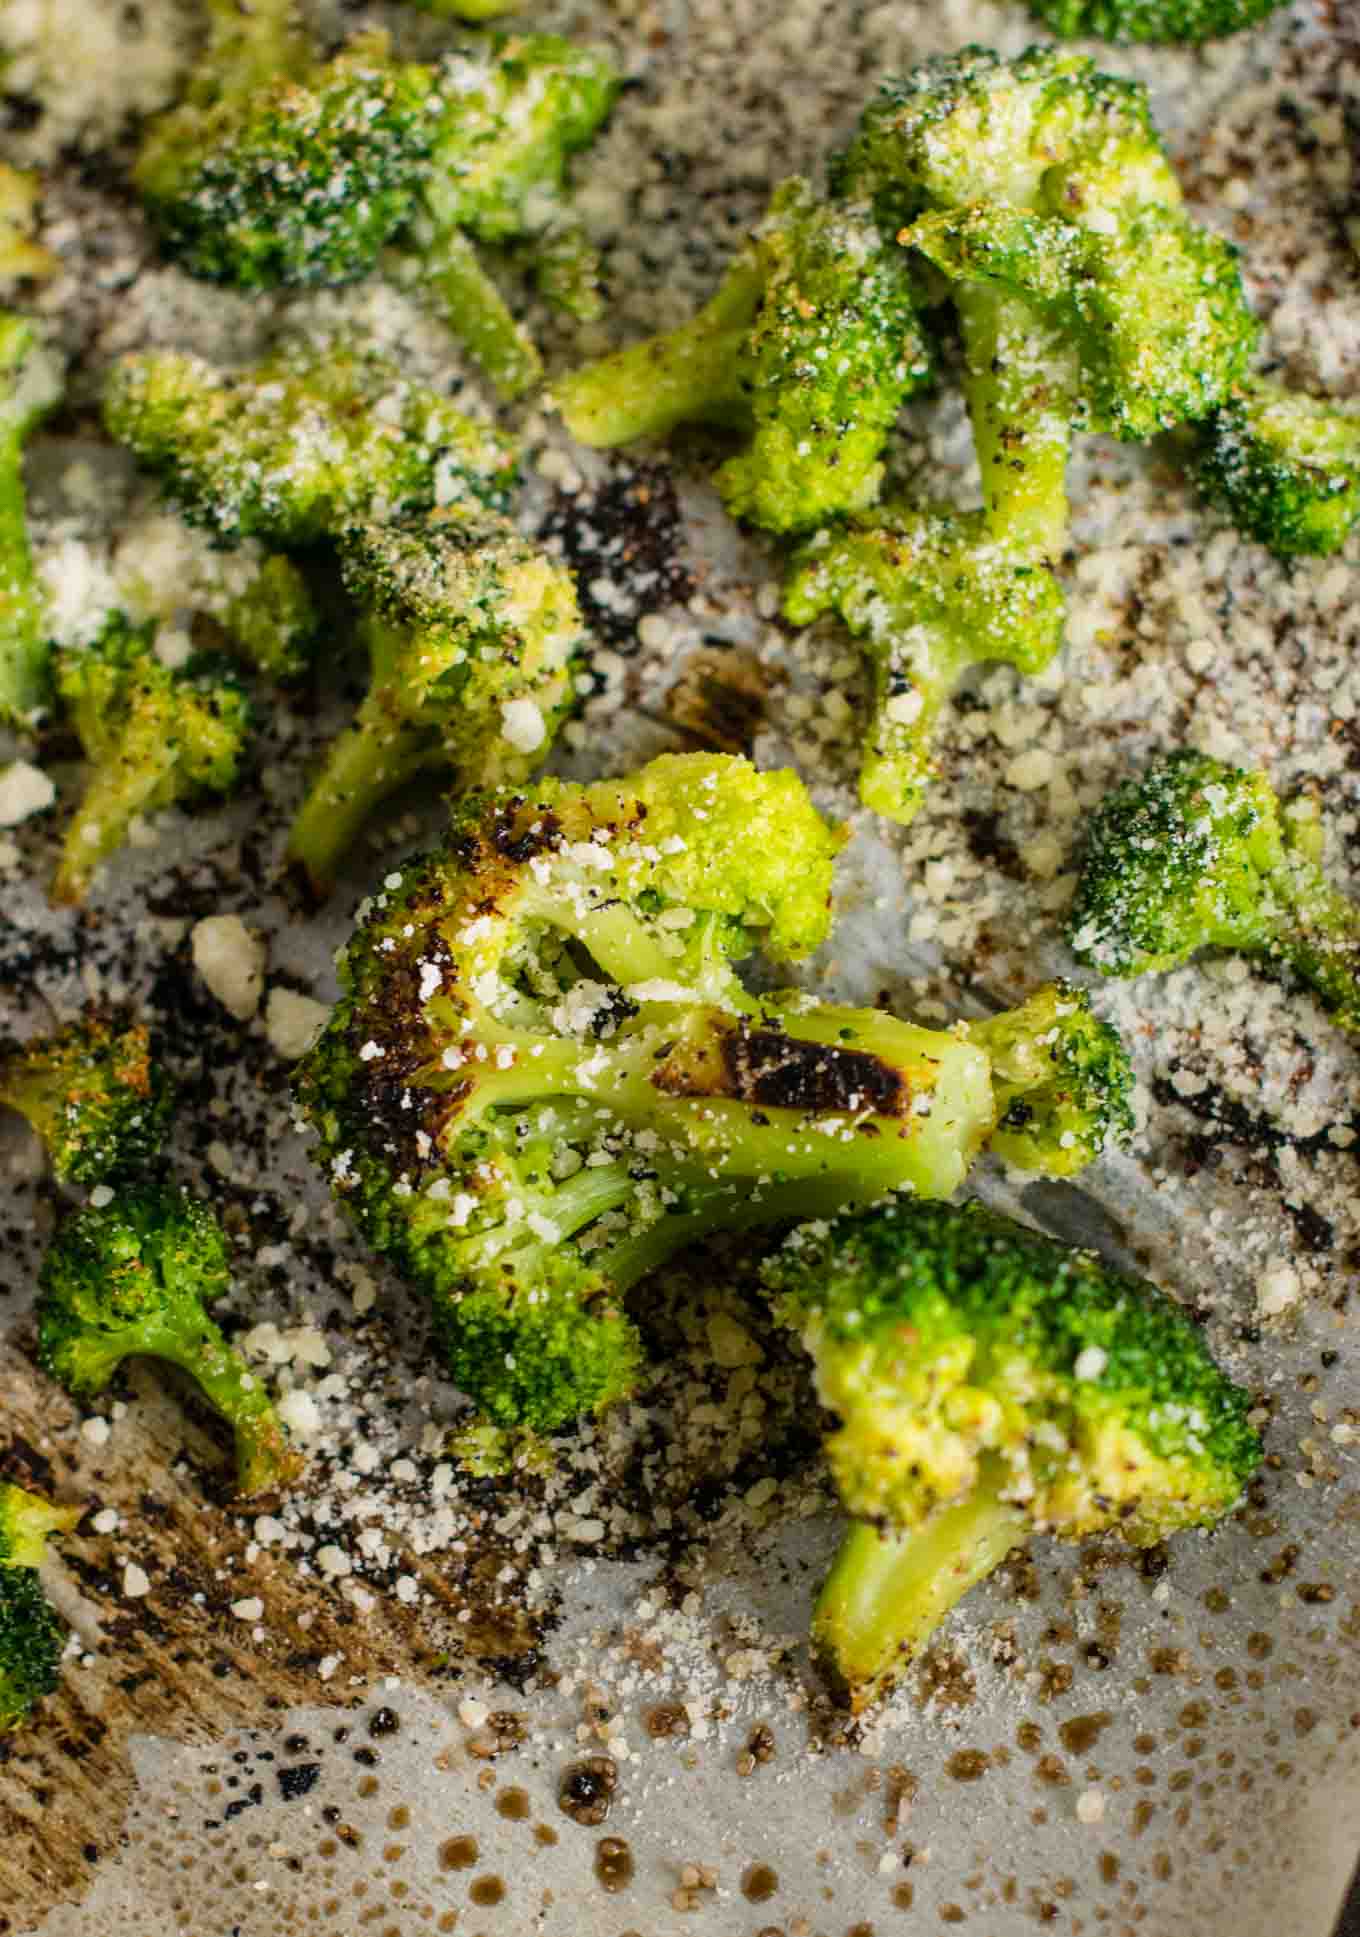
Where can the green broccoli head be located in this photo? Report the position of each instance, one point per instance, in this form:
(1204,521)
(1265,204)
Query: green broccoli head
(1195,854)
(1062,1081)
(472,633)
(810,347)
(27,1522)
(302,444)
(299,180)
(1186,22)
(987,1383)
(1285,467)
(152,733)
(31,1644)
(95,1095)
(28,388)
(133,1278)
(930,593)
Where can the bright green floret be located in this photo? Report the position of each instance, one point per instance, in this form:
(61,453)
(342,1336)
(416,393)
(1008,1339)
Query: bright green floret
(545,1076)
(95,1095)
(472,633)
(1061,1079)
(1195,854)
(133,1279)
(153,735)
(297,447)
(1185,22)
(27,1522)
(1285,467)
(28,389)
(20,255)
(988,1383)
(468,9)
(31,1637)
(809,348)
(930,593)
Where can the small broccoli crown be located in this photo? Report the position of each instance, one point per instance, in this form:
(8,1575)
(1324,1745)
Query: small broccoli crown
(953,1344)
(1186,22)
(1062,1080)
(273,621)
(94,1094)
(930,593)
(1286,468)
(31,1644)
(302,444)
(152,733)
(301,182)
(27,1522)
(28,388)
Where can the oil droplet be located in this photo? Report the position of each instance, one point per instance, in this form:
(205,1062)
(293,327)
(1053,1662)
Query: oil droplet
(513,1804)
(613,1864)
(759,1883)
(487,1890)
(459,1853)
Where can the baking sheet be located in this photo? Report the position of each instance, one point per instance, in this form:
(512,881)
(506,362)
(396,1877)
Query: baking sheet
(1093,1744)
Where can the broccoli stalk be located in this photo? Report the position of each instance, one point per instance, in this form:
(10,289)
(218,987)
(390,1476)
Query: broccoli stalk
(545,1076)
(1187,22)
(1285,467)
(132,1279)
(153,734)
(93,1093)
(31,1637)
(471,632)
(810,347)
(27,391)
(988,1383)
(1195,854)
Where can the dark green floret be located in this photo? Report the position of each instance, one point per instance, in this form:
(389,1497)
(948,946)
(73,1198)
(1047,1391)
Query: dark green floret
(133,1279)
(809,349)
(153,734)
(1285,467)
(988,1383)
(28,389)
(1185,22)
(95,1095)
(31,1637)
(295,448)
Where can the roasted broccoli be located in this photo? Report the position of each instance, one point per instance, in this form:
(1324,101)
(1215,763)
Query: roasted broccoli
(471,632)
(302,444)
(132,1279)
(1185,21)
(468,9)
(152,733)
(987,1384)
(28,388)
(1195,854)
(31,1638)
(809,349)
(94,1094)
(20,256)
(544,1075)
(1285,466)
(930,593)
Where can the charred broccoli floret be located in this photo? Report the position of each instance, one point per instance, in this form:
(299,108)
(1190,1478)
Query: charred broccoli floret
(31,1637)
(987,1384)
(1195,854)
(544,1075)
(302,444)
(1285,467)
(94,1094)
(28,389)
(809,348)
(471,632)
(133,1279)
(1184,21)
(153,734)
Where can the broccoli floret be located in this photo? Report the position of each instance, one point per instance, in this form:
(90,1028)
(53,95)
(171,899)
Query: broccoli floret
(471,632)
(132,1279)
(930,593)
(1195,854)
(1061,1080)
(544,1075)
(302,444)
(810,347)
(988,1383)
(153,734)
(27,1522)
(28,388)
(1286,468)
(31,1637)
(20,255)
(1184,21)
(94,1094)
(468,9)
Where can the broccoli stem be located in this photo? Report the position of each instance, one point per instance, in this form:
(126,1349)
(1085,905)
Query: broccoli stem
(127,782)
(23,632)
(887,1592)
(1020,383)
(911,678)
(368,762)
(687,375)
(477,313)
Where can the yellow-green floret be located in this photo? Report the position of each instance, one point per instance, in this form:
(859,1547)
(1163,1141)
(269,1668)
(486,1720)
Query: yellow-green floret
(133,1278)
(809,348)
(1183,22)
(544,1075)
(1195,854)
(28,389)
(988,1383)
(472,633)
(31,1637)
(95,1095)
(1285,467)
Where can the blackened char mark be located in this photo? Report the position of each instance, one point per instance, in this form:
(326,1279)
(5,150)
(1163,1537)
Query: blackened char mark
(778,1072)
(531,840)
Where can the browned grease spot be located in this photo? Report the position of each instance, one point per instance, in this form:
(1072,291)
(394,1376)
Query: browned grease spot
(667,1718)
(1053,1770)
(513,1804)
(459,1853)
(903,1896)
(545,1834)
(586,1790)
(1109,1866)
(399,1818)
(759,1883)
(968,1765)
(1030,1737)
(720,698)
(487,1890)
(1080,1735)
(614,1865)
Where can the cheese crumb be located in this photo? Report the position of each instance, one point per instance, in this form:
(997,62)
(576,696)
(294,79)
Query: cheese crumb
(1277,1288)
(135,1582)
(1091,1806)
(293,1022)
(522,725)
(249,1610)
(230,958)
(24,790)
